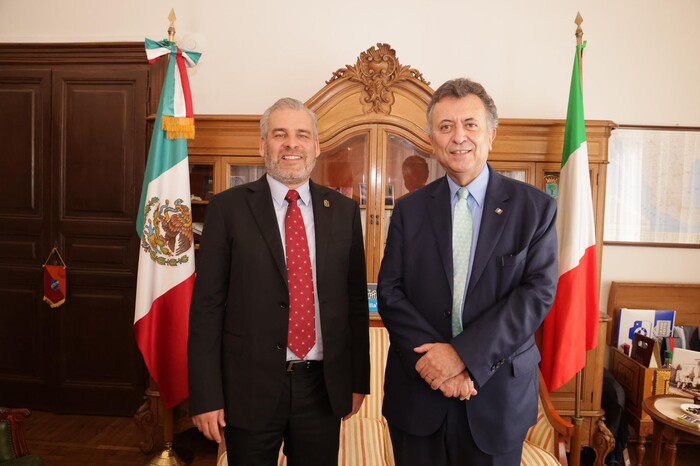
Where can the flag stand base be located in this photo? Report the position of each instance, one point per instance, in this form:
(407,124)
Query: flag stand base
(150,416)
(167,457)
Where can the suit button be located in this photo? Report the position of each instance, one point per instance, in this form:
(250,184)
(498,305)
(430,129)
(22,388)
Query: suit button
(280,347)
(283,305)
(447,313)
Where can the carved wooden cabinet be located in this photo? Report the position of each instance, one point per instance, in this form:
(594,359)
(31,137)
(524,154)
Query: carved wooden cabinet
(372,120)
(374,147)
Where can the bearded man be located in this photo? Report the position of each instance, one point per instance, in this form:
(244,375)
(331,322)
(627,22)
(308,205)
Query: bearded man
(279,341)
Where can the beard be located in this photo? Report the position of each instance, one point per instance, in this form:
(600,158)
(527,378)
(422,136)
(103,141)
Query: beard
(290,176)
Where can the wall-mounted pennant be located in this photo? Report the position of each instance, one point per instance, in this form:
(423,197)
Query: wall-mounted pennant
(55,281)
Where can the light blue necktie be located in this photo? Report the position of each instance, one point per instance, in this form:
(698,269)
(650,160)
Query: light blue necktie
(461,247)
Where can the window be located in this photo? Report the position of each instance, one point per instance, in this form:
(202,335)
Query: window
(653,191)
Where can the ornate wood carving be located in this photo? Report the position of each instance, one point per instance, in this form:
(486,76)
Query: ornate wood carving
(146,419)
(378,69)
(603,442)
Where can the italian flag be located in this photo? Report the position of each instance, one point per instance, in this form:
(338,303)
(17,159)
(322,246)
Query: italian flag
(164,225)
(571,328)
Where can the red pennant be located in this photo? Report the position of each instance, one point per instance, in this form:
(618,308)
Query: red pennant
(55,285)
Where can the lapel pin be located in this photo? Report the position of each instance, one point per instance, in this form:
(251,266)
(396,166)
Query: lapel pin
(499,211)
(326,203)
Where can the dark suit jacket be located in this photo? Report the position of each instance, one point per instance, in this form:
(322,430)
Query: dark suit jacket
(510,291)
(240,307)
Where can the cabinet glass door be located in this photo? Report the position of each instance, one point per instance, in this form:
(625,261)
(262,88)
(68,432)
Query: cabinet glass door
(408,166)
(344,166)
(242,170)
(201,180)
(202,188)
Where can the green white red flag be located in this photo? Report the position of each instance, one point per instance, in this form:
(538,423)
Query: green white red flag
(164,224)
(571,328)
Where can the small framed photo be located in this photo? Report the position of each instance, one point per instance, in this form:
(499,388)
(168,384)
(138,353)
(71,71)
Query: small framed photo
(389,195)
(372,299)
(363,195)
(685,373)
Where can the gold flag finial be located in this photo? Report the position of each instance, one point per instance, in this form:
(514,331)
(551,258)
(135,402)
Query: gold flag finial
(579,31)
(171,29)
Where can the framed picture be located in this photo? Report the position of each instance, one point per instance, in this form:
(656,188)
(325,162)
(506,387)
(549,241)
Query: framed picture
(363,194)
(685,373)
(372,299)
(551,184)
(389,195)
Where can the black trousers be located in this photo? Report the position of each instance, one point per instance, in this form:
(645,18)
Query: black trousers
(451,445)
(304,419)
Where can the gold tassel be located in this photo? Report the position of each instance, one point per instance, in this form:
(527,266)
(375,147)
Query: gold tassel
(178,128)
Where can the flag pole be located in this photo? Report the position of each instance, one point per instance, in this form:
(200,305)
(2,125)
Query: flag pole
(577,419)
(167,457)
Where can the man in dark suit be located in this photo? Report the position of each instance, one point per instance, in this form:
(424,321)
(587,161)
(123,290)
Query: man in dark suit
(279,342)
(468,276)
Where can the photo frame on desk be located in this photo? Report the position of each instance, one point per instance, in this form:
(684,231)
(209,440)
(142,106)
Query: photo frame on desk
(685,374)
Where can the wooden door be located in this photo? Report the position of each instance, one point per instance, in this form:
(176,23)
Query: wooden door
(25,235)
(74,169)
(98,155)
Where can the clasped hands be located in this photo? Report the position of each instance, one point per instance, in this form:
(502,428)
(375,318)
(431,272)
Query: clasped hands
(443,369)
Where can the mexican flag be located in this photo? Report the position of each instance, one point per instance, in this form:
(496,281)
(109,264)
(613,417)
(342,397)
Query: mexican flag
(164,225)
(571,328)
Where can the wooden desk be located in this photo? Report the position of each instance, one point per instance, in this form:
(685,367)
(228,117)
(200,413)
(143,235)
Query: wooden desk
(685,299)
(664,409)
(638,383)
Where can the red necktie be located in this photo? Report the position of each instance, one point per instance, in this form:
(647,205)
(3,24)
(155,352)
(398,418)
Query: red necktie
(302,313)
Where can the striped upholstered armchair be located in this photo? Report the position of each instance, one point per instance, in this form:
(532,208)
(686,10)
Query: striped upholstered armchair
(365,441)
(545,443)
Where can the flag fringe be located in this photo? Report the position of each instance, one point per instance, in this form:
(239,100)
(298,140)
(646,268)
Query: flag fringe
(178,127)
(52,304)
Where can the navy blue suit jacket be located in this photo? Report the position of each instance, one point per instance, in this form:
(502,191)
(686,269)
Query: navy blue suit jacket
(510,291)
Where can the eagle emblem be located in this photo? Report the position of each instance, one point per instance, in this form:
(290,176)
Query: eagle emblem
(167,231)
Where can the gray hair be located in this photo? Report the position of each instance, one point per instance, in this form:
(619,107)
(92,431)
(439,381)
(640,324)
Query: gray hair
(462,87)
(291,104)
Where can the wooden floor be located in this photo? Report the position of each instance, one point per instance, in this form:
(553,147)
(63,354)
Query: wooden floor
(70,440)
